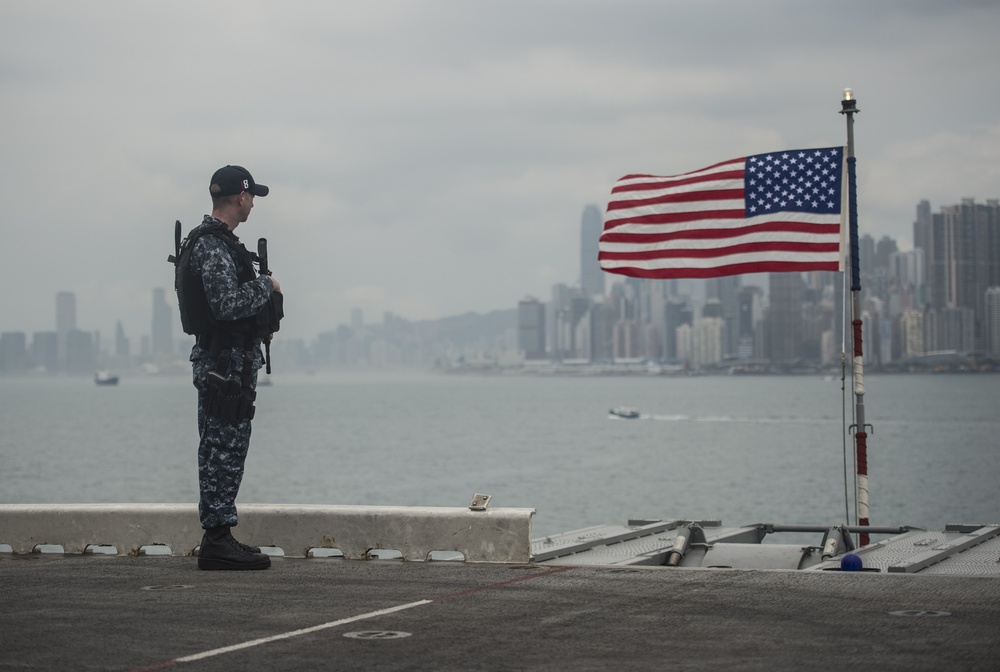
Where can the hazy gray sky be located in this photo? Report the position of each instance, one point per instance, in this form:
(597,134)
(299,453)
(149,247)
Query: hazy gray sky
(434,157)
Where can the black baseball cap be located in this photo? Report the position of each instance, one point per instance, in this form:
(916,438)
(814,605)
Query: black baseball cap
(231,180)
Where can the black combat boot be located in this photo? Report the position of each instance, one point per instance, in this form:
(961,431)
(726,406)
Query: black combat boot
(219,550)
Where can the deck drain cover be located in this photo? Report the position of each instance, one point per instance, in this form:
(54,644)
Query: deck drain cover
(377,634)
(919,612)
(175,587)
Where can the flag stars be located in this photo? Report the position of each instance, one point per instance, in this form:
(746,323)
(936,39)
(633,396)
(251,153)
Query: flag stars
(788,177)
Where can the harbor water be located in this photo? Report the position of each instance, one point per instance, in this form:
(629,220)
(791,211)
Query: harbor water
(743,449)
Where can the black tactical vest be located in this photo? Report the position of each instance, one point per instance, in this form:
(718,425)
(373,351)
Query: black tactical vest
(196,314)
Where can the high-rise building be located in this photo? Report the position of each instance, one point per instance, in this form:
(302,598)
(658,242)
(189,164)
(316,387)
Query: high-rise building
(678,313)
(531,328)
(81,356)
(907,271)
(913,333)
(655,335)
(65,323)
(560,301)
(706,341)
(726,290)
(683,340)
(884,249)
(13,352)
(602,327)
(121,341)
(922,226)
(626,339)
(866,251)
(45,350)
(956,329)
(785,317)
(993,321)
(579,308)
(591,275)
(163,334)
(750,301)
(962,259)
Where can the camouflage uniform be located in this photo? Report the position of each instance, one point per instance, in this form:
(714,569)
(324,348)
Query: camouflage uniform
(224,443)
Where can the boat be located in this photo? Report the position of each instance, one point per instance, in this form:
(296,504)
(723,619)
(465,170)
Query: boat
(624,412)
(105,378)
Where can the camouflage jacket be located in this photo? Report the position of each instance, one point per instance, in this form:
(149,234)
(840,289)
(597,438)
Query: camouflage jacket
(219,268)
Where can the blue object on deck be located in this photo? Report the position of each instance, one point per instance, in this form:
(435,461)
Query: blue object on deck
(851,563)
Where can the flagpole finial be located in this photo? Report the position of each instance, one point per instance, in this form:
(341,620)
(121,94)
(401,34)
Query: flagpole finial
(849,104)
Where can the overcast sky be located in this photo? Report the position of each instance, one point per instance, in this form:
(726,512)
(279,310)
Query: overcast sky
(434,157)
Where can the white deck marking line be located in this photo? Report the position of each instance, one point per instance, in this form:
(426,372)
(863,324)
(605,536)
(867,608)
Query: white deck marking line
(296,633)
(343,621)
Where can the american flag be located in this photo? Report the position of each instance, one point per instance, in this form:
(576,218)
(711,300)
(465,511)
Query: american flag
(764,213)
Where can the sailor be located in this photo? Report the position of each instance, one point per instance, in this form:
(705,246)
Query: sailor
(231,310)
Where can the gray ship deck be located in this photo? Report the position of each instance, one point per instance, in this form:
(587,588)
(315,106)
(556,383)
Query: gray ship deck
(570,608)
(153,613)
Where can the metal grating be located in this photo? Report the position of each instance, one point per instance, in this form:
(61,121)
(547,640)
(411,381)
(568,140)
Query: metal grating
(970,550)
(980,560)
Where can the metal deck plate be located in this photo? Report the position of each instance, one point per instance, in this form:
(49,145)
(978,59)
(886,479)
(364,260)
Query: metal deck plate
(969,550)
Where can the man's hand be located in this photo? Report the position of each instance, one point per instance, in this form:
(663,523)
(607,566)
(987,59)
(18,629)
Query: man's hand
(277,285)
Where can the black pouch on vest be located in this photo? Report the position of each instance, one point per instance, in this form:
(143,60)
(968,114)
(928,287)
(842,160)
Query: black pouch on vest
(228,400)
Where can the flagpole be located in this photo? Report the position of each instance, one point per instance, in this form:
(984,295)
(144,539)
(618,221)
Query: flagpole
(848,107)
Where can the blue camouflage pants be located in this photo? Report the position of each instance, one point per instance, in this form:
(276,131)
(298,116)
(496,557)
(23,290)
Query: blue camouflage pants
(222,450)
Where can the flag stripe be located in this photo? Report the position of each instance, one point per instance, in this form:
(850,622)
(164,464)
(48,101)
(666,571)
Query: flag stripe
(710,170)
(756,266)
(717,261)
(705,238)
(712,252)
(764,213)
(709,210)
(625,186)
(679,196)
(697,230)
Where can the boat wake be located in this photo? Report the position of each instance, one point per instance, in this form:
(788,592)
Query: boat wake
(769,420)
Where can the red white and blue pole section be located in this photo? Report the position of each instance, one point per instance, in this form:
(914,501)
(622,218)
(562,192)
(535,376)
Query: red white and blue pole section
(849,106)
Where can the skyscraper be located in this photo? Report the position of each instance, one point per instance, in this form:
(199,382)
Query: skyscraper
(531,328)
(751,314)
(993,321)
(45,351)
(13,352)
(121,341)
(962,259)
(163,335)
(65,323)
(81,355)
(785,320)
(726,290)
(922,227)
(591,275)
(678,314)
(913,333)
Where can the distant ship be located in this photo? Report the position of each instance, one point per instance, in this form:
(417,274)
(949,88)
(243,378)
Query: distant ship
(624,412)
(105,378)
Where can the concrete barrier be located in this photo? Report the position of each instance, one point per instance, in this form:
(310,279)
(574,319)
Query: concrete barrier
(493,535)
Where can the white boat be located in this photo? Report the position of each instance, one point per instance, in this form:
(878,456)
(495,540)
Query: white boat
(105,378)
(626,412)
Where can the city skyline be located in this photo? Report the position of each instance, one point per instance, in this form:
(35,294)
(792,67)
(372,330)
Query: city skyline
(428,159)
(163,299)
(942,298)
